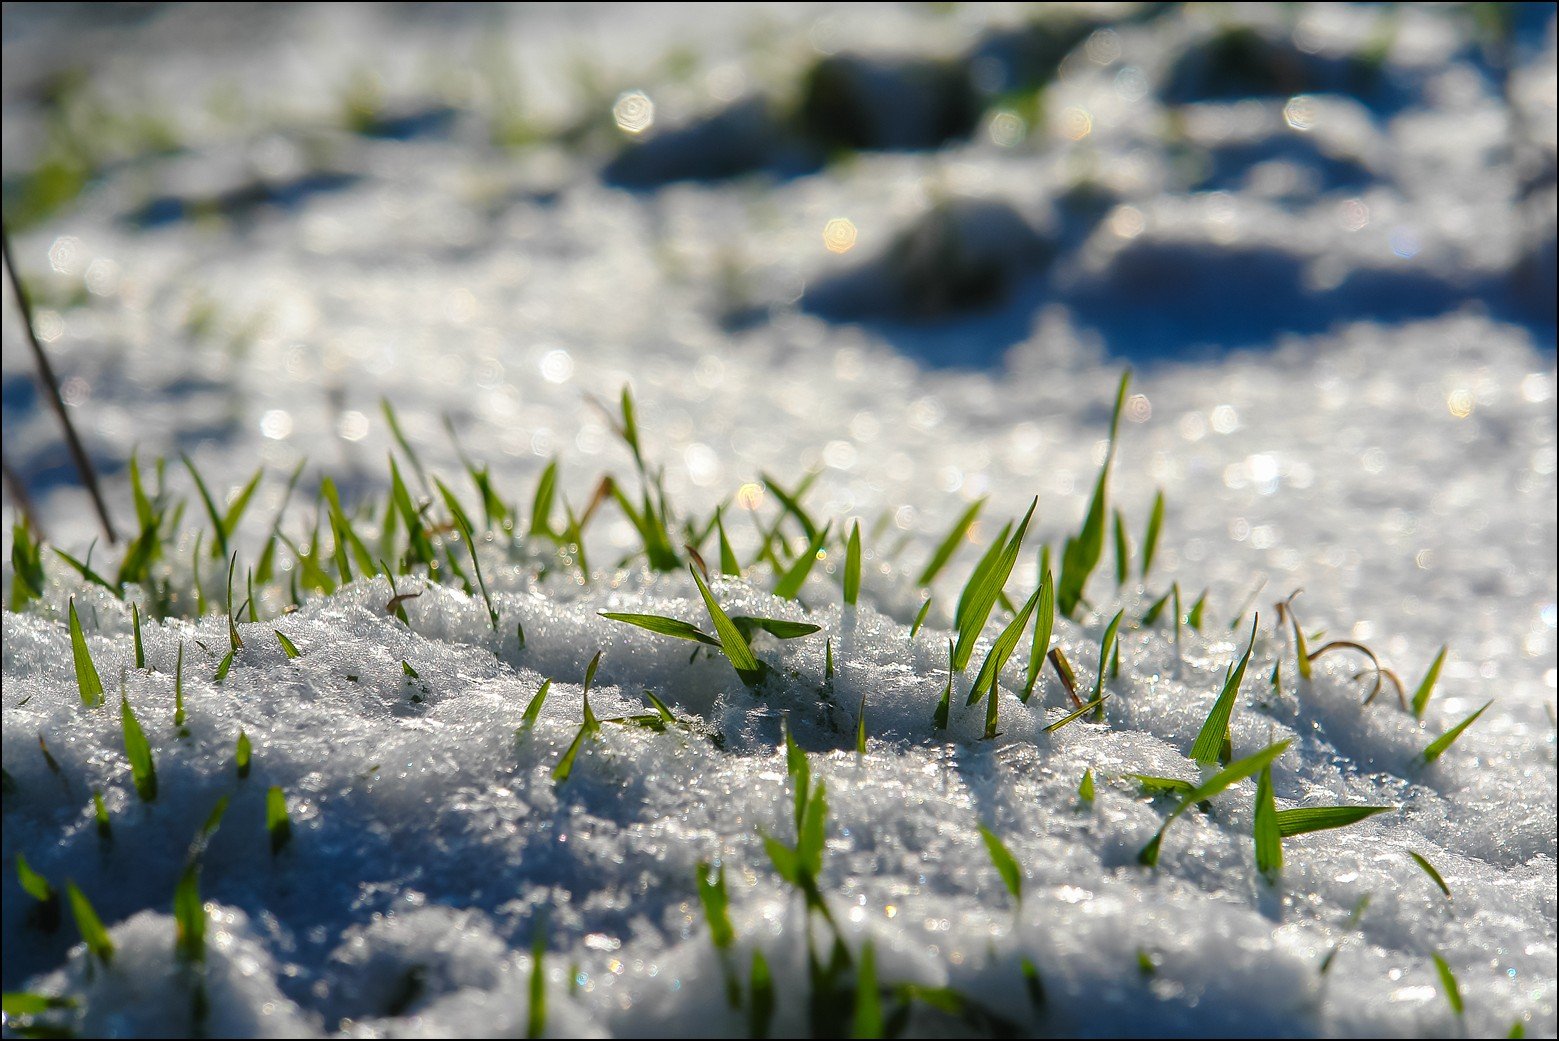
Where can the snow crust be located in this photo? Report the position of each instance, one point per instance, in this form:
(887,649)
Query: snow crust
(1376,425)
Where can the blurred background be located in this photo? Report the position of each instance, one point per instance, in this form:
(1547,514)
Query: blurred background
(906,246)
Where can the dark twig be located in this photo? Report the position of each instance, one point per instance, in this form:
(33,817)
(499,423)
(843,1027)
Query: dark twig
(52,385)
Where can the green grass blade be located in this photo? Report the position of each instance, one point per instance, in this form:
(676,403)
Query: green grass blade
(729,567)
(712,894)
(1081,554)
(243,753)
(1429,869)
(1305,819)
(663,625)
(277,823)
(1234,772)
(852,566)
(105,827)
(1267,835)
(1085,787)
(84,568)
(867,1020)
(224,666)
(1077,713)
(1437,747)
(983,597)
(139,751)
(189,915)
(1426,688)
(790,583)
(1109,644)
(88,683)
(737,651)
(1150,537)
(920,618)
(1453,990)
(135,625)
(218,547)
(240,503)
(790,502)
(541,503)
(533,708)
(760,996)
(1209,741)
(21,1004)
(1193,617)
(982,570)
(1156,786)
(944,706)
(630,430)
(34,884)
(949,544)
(393,422)
(289,648)
(1006,864)
(990,671)
(779,628)
(536,1016)
(1122,551)
(1044,625)
(89,925)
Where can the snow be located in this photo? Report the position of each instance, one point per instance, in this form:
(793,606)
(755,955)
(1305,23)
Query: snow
(1343,343)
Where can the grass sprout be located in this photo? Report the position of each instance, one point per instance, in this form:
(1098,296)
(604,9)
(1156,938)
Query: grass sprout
(1080,554)
(1426,687)
(1077,713)
(289,648)
(1436,748)
(277,824)
(734,645)
(1150,537)
(1044,625)
(1430,870)
(984,587)
(243,753)
(1214,735)
(99,944)
(1006,864)
(852,566)
(1453,990)
(1267,835)
(1229,775)
(1305,819)
(143,772)
(949,545)
(88,683)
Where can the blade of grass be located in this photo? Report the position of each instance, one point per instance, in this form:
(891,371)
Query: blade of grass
(779,628)
(89,925)
(536,1016)
(1305,819)
(1044,625)
(1229,775)
(867,1021)
(277,823)
(138,750)
(1429,869)
(288,647)
(1267,836)
(88,683)
(1122,551)
(729,567)
(1426,688)
(735,646)
(1109,645)
(852,566)
(920,618)
(949,544)
(990,671)
(1006,864)
(1081,554)
(1077,713)
(1453,990)
(1150,537)
(1085,787)
(533,708)
(760,996)
(663,625)
(1437,747)
(243,753)
(789,585)
(982,596)
(1215,730)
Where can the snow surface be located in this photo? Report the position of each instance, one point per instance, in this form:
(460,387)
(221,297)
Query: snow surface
(1341,319)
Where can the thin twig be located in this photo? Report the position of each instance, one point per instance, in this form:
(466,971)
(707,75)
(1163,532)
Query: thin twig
(52,386)
(18,490)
